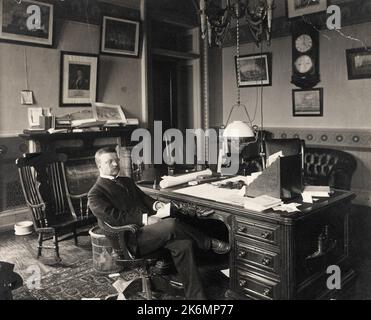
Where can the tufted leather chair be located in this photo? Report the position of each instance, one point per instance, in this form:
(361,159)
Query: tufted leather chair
(324,166)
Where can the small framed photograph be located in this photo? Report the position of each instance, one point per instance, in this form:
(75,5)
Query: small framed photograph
(359,63)
(307,102)
(297,8)
(109,113)
(255,70)
(120,37)
(19,23)
(78,79)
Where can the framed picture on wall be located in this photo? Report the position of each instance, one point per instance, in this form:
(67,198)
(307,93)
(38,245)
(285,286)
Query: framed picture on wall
(120,37)
(19,22)
(297,8)
(307,102)
(359,63)
(78,79)
(255,70)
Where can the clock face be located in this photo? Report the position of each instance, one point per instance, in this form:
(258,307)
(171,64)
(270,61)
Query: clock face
(303,43)
(303,64)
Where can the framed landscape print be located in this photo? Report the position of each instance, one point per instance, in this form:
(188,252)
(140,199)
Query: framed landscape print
(79,79)
(255,70)
(296,8)
(19,23)
(308,102)
(120,37)
(359,63)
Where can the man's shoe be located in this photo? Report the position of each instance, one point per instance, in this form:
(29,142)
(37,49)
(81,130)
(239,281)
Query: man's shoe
(220,247)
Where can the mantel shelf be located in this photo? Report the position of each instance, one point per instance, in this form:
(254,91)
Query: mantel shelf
(78,135)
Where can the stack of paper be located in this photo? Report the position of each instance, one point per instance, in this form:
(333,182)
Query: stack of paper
(315,191)
(261,203)
(318,191)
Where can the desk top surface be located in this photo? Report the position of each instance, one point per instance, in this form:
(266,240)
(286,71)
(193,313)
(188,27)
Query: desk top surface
(306,209)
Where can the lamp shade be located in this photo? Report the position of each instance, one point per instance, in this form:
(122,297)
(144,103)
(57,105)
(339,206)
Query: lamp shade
(238,129)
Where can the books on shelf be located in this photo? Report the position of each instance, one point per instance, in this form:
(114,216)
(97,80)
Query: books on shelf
(100,115)
(261,203)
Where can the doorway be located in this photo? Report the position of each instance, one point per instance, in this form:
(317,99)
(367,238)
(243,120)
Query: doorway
(175,94)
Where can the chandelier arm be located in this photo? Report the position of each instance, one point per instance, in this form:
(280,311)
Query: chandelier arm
(254,23)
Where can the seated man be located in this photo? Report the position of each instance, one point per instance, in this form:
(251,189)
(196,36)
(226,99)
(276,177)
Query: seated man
(118,202)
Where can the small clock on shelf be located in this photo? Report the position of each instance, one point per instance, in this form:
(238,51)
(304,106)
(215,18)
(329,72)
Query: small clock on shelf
(305,55)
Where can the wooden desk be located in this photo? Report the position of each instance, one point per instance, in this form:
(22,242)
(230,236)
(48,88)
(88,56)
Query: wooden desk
(279,256)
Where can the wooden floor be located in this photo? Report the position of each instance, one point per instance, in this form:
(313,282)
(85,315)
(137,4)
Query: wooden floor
(21,250)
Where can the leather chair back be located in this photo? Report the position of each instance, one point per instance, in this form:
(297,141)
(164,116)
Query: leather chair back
(324,166)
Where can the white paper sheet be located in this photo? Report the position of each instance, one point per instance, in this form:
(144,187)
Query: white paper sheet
(211,192)
(307,197)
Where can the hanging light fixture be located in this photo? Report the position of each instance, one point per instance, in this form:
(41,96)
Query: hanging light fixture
(216,20)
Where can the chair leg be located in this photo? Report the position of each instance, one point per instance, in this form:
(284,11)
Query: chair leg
(75,237)
(40,245)
(56,248)
(146,284)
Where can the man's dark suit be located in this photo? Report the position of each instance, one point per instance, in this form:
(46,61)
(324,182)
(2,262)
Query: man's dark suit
(121,202)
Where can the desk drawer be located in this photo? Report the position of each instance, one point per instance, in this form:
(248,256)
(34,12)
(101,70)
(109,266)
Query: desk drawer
(256,287)
(258,231)
(258,258)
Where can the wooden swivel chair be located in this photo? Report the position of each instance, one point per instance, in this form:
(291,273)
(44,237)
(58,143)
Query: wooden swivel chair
(45,190)
(148,266)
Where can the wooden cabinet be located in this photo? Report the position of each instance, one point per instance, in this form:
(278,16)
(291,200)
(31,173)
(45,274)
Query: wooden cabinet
(279,256)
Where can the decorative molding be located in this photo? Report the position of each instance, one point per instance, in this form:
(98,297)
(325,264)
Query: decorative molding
(351,14)
(341,138)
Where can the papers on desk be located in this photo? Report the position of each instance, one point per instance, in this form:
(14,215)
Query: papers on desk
(261,203)
(172,181)
(311,192)
(211,192)
(291,207)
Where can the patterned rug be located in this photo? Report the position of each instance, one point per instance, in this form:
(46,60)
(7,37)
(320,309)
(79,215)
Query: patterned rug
(75,278)
(80,282)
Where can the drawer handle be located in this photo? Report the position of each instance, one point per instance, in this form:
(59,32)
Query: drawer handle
(266,235)
(267,292)
(242,229)
(242,283)
(242,253)
(266,261)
